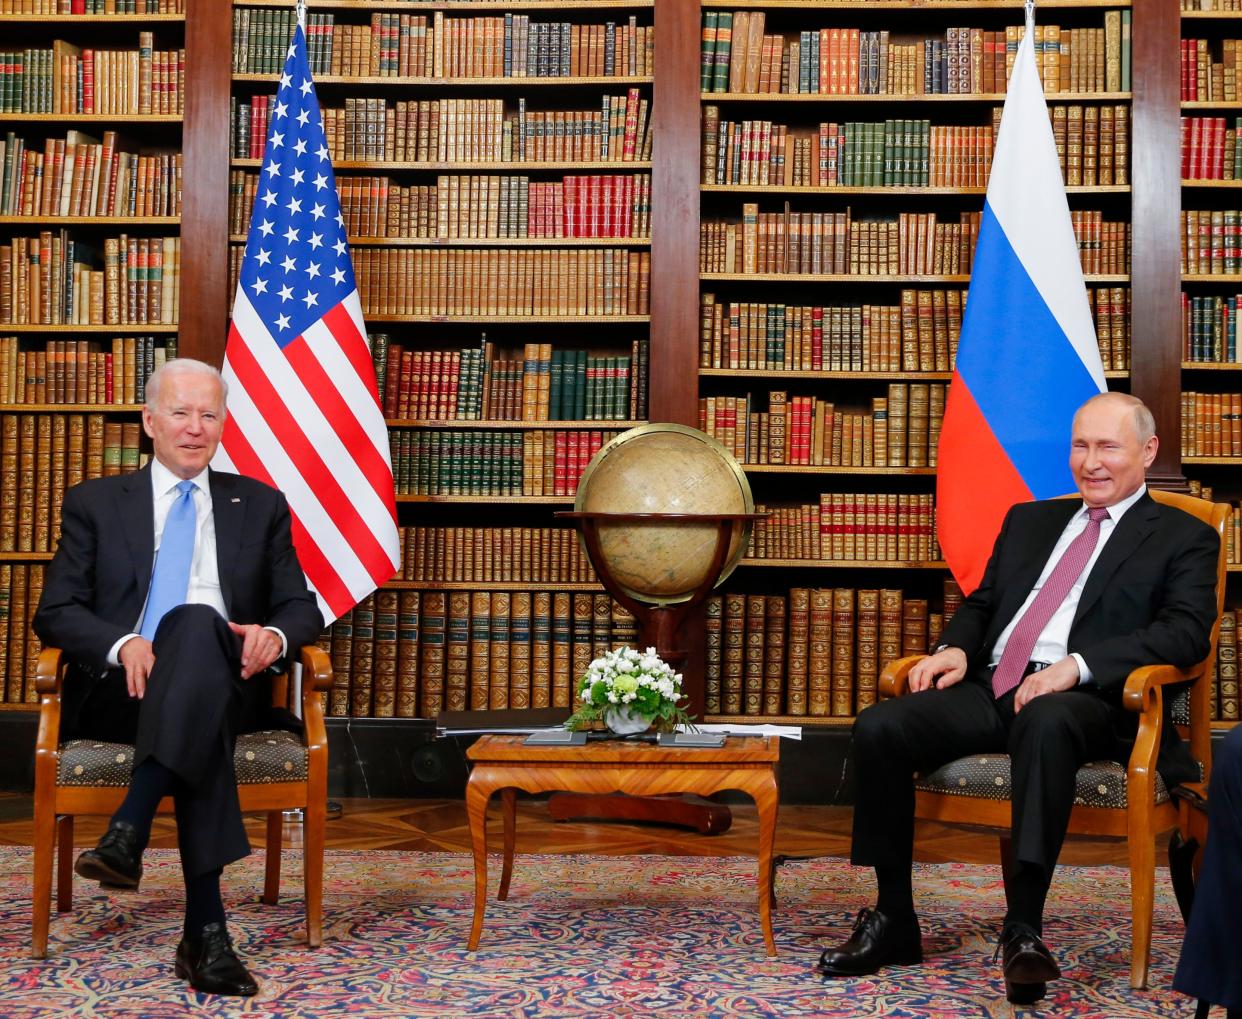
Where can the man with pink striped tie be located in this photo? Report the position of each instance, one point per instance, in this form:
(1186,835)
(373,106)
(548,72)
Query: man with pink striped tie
(1076,595)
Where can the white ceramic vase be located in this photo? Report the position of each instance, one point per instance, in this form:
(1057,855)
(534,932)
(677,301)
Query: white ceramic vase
(623,722)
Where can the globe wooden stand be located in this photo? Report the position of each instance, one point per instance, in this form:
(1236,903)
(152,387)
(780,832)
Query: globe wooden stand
(659,626)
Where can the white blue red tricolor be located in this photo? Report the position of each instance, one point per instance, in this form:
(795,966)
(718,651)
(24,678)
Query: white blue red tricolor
(1027,357)
(303,412)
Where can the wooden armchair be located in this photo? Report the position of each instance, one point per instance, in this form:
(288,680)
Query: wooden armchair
(276,771)
(1112,801)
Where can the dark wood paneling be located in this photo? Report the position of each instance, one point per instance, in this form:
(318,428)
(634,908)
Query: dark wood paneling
(675,215)
(205,181)
(1155,155)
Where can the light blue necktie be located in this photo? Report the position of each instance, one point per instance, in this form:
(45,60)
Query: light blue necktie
(170,579)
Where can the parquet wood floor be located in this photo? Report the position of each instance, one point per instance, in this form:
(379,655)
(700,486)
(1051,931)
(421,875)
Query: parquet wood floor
(440,825)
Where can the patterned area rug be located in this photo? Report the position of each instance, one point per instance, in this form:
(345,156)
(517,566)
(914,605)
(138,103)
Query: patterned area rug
(579,936)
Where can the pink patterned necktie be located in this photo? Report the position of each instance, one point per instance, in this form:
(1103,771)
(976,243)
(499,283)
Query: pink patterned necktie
(1074,559)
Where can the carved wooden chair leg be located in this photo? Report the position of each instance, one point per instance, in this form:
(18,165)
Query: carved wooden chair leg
(64,863)
(271,870)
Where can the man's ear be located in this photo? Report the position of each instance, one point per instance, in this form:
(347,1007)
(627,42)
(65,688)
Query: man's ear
(1149,451)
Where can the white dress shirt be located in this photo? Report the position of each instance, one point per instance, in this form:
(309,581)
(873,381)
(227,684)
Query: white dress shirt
(204,586)
(1051,646)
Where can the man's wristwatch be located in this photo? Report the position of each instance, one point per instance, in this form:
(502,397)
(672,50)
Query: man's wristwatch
(941,647)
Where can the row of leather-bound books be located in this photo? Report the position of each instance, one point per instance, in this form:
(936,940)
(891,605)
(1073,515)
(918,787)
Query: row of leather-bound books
(1211,424)
(66,78)
(530,555)
(900,430)
(477,206)
(82,176)
(541,384)
(41,455)
(616,130)
(80,371)
(1210,328)
(92,7)
(491,462)
(1225,701)
(53,279)
(738,56)
(849,526)
(1205,79)
(1210,148)
(436,46)
(1211,241)
(911,243)
(919,334)
(417,653)
(21,585)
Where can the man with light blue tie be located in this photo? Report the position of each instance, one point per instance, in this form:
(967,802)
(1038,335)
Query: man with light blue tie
(172,591)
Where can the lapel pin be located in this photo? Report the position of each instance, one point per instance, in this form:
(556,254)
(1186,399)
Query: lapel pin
(234,500)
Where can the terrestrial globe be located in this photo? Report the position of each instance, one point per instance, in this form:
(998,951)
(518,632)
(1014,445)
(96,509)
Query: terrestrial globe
(664,469)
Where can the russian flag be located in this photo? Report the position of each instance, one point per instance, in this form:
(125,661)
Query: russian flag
(1027,357)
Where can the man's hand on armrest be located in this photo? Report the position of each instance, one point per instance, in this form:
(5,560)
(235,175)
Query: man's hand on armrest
(942,670)
(261,646)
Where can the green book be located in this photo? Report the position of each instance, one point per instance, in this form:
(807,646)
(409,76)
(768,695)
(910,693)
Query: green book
(555,384)
(1126,16)
(707,56)
(723,48)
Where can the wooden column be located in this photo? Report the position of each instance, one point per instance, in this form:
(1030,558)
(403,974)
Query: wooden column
(205,181)
(1155,277)
(673,381)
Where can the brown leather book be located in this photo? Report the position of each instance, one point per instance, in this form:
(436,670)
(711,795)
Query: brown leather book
(361,674)
(455,641)
(820,660)
(480,649)
(774,656)
(342,663)
(408,608)
(384,681)
(842,697)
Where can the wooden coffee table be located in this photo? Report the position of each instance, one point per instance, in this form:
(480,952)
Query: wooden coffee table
(747,764)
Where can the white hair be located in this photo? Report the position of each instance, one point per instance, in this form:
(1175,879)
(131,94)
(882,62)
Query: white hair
(183,366)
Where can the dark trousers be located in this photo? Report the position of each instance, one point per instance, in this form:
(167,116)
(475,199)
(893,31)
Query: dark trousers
(1210,967)
(196,704)
(1047,741)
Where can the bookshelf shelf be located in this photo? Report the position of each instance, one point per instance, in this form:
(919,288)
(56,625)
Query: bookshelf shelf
(1212,277)
(1210,366)
(92,220)
(902,190)
(89,19)
(923,5)
(950,97)
(900,376)
(471,5)
(19,707)
(813,469)
(1213,460)
(489,585)
(567,319)
(25,557)
(1211,104)
(91,118)
(524,166)
(1219,726)
(828,721)
(848,564)
(393,81)
(1186,183)
(790,277)
(494,500)
(71,408)
(488,242)
(1211,15)
(22,327)
(498,425)
(1234,568)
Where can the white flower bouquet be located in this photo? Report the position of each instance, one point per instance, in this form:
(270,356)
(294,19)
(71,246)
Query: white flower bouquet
(629,692)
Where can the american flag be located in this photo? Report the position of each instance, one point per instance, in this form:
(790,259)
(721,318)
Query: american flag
(303,410)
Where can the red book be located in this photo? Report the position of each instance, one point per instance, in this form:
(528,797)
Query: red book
(569,188)
(627,208)
(607,208)
(1186,147)
(109,395)
(560,464)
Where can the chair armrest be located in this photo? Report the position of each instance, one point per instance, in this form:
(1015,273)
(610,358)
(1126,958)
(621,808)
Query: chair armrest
(316,678)
(895,679)
(49,676)
(1141,684)
(316,670)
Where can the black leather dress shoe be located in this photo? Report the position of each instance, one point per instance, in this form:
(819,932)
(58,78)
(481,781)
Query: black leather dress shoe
(211,965)
(877,941)
(116,862)
(1027,963)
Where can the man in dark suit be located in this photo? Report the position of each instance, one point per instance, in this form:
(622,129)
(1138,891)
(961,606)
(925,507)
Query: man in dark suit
(1209,968)
(172,591)
(1075,596)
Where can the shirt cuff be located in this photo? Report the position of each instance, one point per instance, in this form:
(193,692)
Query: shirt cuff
(1084,674)
(284,644)
(114,653)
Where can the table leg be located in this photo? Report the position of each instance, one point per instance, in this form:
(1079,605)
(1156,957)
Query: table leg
(767,800)
(508,800)
(478,792)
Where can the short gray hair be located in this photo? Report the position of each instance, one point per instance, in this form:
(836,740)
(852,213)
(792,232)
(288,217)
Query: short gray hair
(1144,420)
(184,366)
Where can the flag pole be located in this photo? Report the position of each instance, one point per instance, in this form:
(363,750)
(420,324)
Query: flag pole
(1030,13)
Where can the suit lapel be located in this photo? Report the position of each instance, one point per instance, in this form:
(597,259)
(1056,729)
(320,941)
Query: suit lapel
(136,508)
(228,508)
(1132,530)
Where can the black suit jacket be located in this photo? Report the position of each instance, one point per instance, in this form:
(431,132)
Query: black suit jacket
(97,582)
(1150,598)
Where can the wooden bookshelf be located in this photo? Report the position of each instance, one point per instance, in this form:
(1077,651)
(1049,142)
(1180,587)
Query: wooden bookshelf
(457,423)
(846,564)
(490,585)
(414,83)
(888,189)
(490,242)
(481,166)
(993,98)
